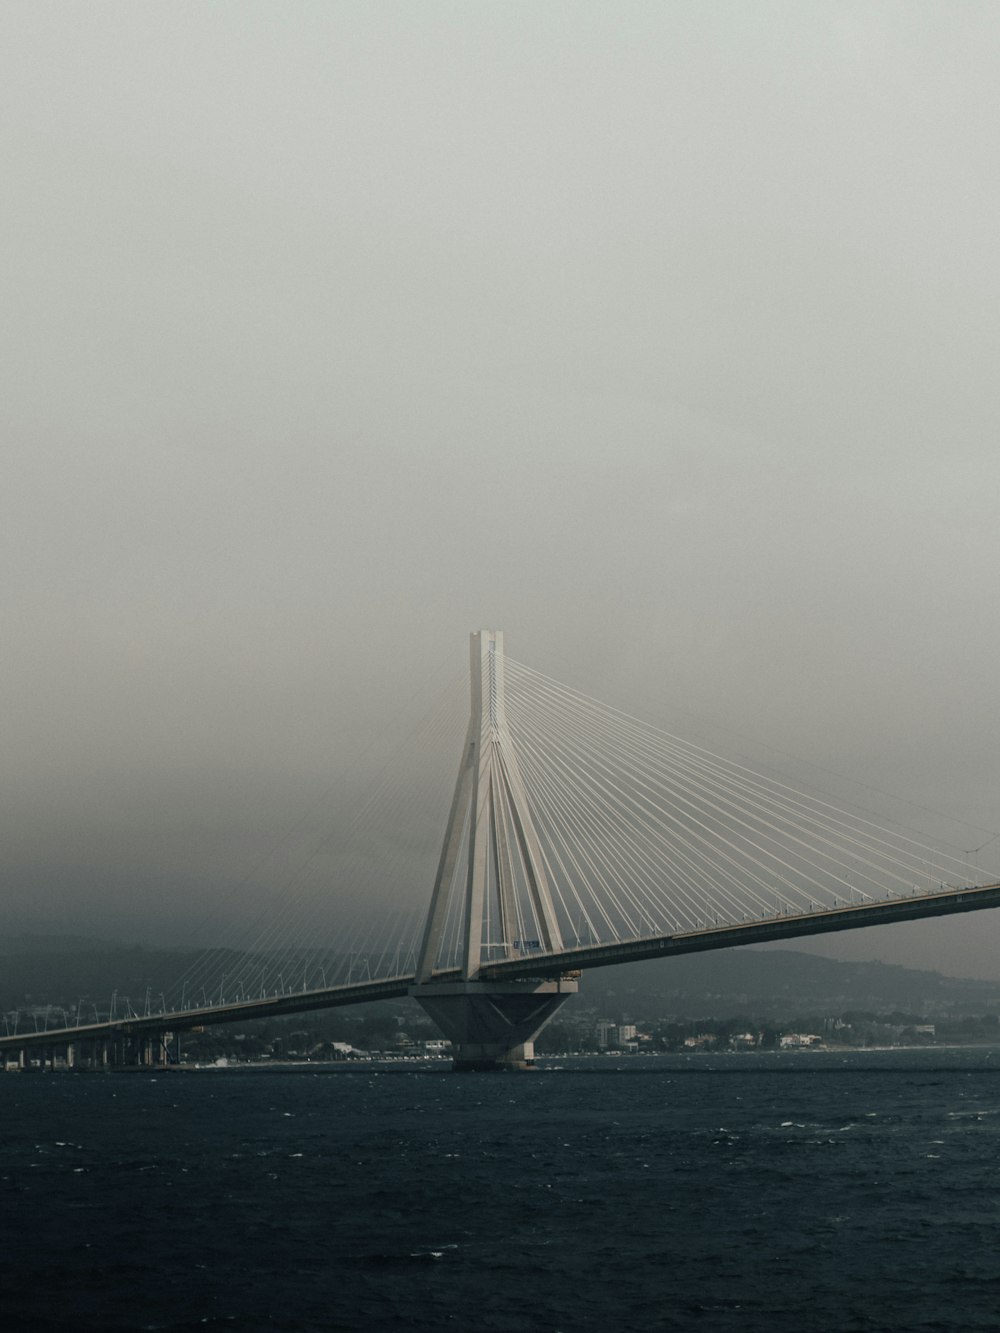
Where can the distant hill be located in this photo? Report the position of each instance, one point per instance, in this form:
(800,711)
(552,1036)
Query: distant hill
(37,970)
(780,984)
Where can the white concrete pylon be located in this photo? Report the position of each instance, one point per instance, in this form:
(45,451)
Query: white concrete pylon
(505,858)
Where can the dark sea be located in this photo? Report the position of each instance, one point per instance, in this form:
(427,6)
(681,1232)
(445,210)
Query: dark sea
(788,1193)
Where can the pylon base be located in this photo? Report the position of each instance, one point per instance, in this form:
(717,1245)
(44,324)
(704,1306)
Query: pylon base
(492,1025)
(462,1066)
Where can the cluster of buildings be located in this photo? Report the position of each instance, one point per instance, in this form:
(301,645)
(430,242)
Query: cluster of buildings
(586,1032)
(628,1038)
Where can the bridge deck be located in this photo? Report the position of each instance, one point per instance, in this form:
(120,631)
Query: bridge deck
(849,917)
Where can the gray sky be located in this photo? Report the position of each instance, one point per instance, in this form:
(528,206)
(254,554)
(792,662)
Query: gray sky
(662,336)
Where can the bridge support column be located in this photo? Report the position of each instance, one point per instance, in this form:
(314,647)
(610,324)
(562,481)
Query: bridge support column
(502,896)
(493,1024)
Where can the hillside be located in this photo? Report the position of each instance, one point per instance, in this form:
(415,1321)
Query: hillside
(777,983)
(782,984)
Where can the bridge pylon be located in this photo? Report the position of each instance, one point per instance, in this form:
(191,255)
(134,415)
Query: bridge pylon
(507,909)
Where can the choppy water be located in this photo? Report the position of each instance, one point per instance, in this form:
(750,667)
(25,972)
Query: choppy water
(794,1193)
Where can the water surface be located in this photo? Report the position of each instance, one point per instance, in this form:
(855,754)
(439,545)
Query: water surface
(795,1192)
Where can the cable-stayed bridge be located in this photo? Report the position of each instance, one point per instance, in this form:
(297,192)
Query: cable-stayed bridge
(576,837)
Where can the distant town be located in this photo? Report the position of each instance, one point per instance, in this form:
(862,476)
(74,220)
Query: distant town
(399,1035)
(740,1001)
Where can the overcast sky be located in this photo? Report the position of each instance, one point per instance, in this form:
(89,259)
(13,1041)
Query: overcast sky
(663,337)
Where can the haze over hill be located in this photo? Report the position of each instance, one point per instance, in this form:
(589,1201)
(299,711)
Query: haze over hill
(783,984)
(780,983)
